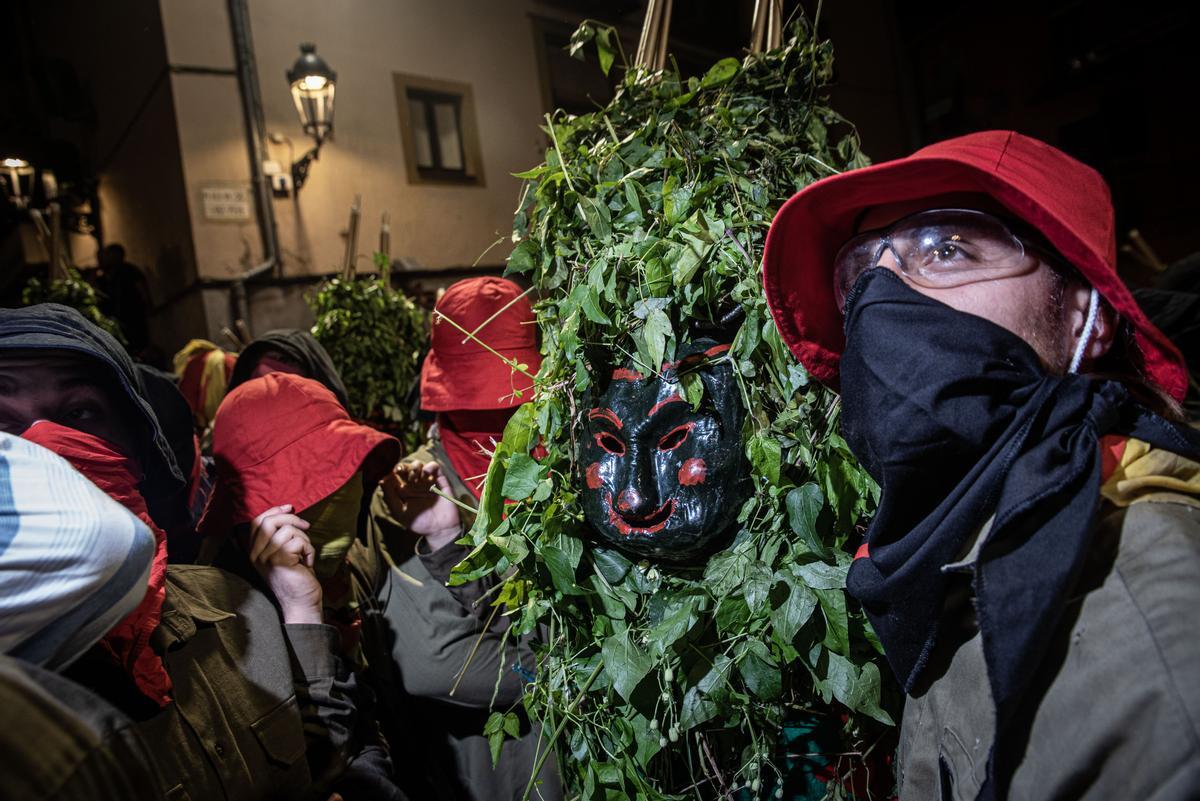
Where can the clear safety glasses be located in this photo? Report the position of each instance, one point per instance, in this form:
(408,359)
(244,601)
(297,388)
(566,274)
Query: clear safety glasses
(936,248)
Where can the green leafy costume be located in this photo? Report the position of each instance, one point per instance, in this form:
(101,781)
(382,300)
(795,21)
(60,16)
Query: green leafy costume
(647,217)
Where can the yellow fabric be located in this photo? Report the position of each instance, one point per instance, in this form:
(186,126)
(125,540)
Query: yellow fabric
(333,523)
(181,359)
(1148,474)
(213,382)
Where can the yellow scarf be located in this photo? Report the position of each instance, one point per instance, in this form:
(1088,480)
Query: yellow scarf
(1141,473)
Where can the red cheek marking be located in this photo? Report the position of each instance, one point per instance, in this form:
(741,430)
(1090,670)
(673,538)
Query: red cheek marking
(593,475)
(693,472)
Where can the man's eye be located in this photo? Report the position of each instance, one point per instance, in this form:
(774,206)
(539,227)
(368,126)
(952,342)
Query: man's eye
(83,413)
(611,444)
(675,437)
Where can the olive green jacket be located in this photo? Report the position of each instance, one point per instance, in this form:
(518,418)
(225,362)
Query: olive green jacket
(260,709)
(456,662)
(1115,712)
(61,742)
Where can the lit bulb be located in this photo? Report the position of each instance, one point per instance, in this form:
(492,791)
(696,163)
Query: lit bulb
(16,163)
(313,83)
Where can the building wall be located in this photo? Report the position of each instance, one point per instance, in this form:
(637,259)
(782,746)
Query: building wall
(132,144)
(485,44)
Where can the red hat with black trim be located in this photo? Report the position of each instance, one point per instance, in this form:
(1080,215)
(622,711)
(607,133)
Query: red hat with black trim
(1065,200)
(460,374)
(285,439)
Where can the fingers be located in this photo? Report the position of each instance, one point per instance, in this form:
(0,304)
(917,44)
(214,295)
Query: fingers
(414,478)
(272,529)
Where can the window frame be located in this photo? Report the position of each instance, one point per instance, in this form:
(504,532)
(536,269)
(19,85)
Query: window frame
(427,91)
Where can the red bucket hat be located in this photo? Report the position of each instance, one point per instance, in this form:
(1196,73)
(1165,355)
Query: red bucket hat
(283,439)
(463,375)
(1067,201)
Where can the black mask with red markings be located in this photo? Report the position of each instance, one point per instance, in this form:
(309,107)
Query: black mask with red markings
(661,480)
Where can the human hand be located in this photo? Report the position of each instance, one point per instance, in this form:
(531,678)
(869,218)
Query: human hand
(408,491)
(282,554)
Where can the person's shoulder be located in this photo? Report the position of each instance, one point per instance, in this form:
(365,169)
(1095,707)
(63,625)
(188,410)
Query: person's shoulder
(212,594)
(1160,532)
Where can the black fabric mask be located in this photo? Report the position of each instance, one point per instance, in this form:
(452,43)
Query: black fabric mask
(957,420)
(661,480)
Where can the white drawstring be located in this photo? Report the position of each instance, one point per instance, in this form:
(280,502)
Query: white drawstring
(1088,330)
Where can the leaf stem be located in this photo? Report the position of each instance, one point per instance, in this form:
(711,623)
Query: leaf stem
(537,766)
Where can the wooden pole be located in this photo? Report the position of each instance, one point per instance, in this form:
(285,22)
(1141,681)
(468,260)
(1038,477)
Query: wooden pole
(766,32)
(385,247)
(652,46)
(348,265)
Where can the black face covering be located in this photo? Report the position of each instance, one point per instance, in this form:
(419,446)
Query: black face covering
(957,420)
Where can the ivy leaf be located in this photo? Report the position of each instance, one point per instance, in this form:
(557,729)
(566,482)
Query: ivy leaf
(759,670)
(626,665)
(498,725)
(545,489)
(523,257)
(644,307)
(521,429)
(597,216)
(562,572)
(721,72)
(604,48)
(591,306)
(821,576)
(759,580)
(795,610)
(803,505)
(610,564)
(837,623)
(698,704)
(858,690)
(732,615)
(656,330)
(725,571)
(676,623)
(766,455)
(521,477)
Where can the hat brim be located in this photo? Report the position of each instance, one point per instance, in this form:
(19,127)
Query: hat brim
(301,474)
(809,229)
(477,381)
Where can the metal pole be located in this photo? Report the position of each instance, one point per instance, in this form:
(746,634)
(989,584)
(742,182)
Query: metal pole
(256,145)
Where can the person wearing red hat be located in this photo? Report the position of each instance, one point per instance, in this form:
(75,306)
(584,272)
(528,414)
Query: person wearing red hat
(1032,568)
(293,467)
(456,661)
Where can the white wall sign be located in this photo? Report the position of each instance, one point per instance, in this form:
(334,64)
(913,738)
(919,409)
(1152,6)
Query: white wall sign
(226,203)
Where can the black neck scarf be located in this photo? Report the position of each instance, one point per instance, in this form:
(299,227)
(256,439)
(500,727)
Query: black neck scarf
(957,420)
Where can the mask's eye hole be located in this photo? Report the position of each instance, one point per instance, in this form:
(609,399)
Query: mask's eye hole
(675,437)
(610,443)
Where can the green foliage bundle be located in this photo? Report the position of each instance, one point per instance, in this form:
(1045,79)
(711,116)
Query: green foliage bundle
(649,215)
(75,292)
(375,335)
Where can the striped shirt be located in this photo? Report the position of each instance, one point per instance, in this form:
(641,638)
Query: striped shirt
(73,562)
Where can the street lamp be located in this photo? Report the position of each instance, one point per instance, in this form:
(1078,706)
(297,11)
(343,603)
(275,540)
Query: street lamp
(16,175)
(312,83)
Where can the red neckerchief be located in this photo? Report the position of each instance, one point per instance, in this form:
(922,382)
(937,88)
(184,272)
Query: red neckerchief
(464,435)
(118,476)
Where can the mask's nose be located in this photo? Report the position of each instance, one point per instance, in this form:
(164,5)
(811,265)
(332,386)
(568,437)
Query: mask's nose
(639,497)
